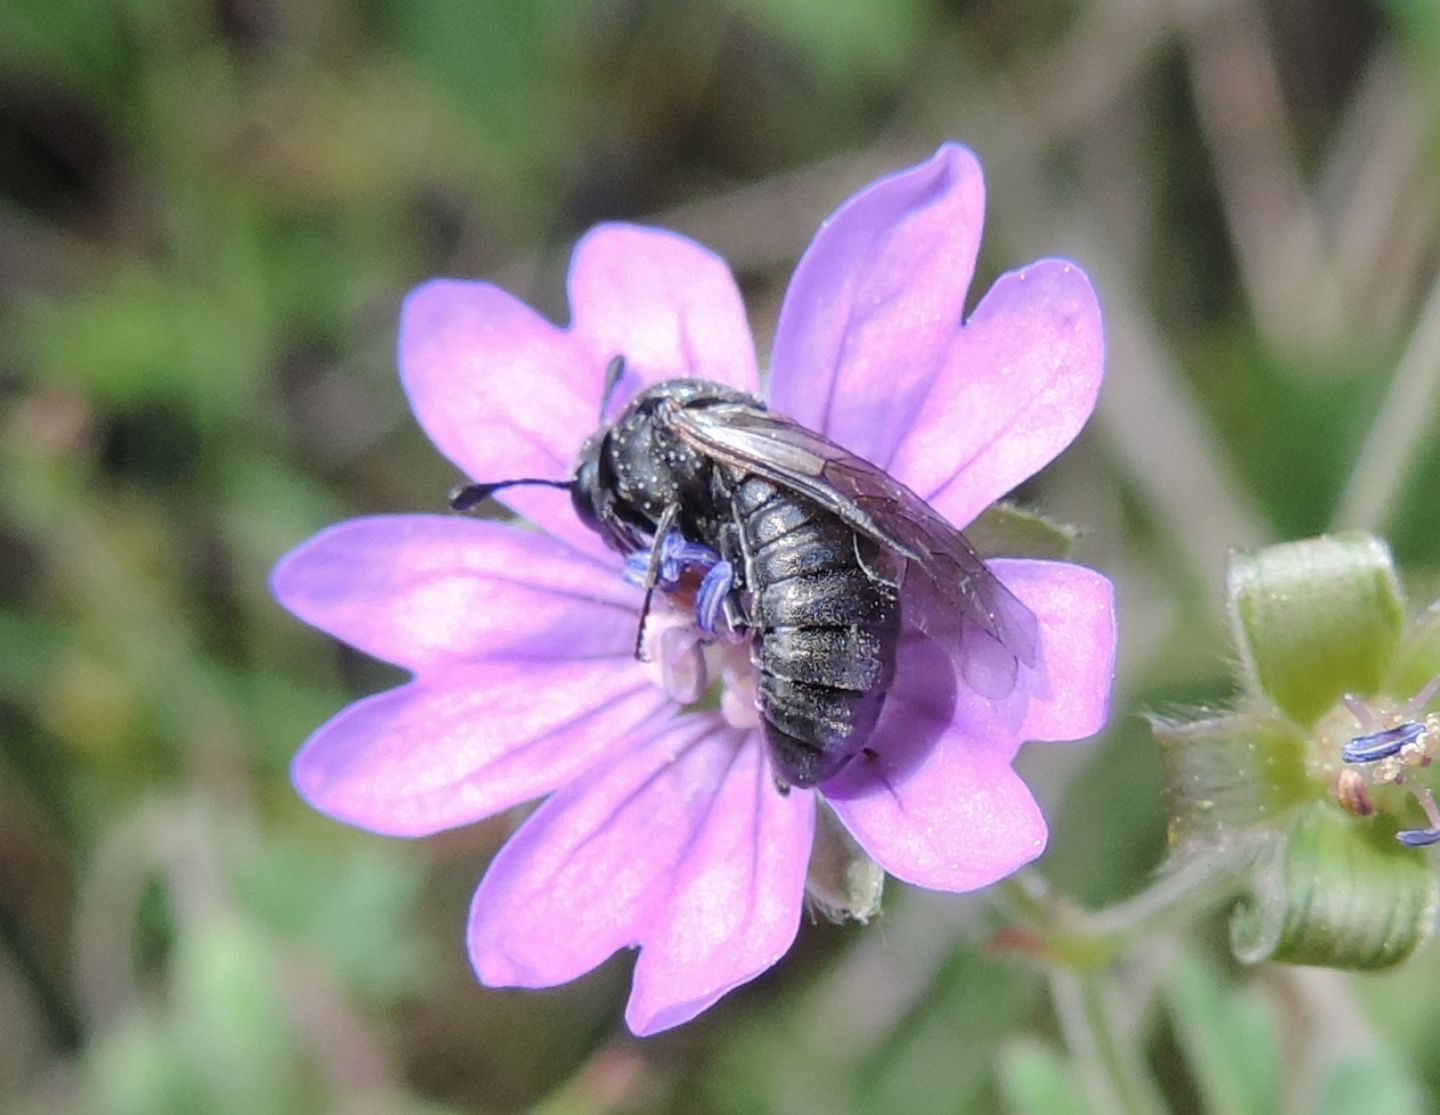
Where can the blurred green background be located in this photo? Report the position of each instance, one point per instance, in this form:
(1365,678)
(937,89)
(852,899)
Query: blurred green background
(209,210)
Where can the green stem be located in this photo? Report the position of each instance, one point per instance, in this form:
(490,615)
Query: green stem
(1080,945)
(1397,437)
(1108,1055)
(1078,939)
(1197,884)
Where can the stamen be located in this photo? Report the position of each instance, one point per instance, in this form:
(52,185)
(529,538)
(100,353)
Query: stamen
(1351,792)
(1394,744)
(738,703)
(1422,838)
(683,670)
(1360,711)
(1382,744)
(1420,700)
(1427,804)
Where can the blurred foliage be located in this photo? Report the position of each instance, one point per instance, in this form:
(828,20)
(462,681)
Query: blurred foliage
(209,210)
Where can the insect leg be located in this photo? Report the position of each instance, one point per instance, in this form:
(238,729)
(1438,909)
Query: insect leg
(735,617)
(652,572)
(713,595)
(732,552)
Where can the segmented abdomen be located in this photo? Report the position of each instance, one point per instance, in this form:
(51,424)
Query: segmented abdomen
(824,631)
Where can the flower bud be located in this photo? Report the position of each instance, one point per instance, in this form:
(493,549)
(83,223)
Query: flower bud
(1322,781)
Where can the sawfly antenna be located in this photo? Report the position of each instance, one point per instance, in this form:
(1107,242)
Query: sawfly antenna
(614,373)
(466,497)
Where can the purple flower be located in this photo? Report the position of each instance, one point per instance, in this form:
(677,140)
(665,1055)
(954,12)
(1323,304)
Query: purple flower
(661,826)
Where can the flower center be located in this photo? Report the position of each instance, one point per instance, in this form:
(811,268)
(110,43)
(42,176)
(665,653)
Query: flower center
(1393,748)
(698,671)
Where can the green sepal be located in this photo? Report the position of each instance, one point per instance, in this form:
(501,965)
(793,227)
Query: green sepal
(1229,774)
(1316,619)
(1338,892)
(1417,662)
(1006,530)
(842,882)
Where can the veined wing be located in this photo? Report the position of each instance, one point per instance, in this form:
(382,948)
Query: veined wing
(867,499)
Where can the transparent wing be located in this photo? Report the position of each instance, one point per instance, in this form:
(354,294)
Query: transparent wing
(866,498)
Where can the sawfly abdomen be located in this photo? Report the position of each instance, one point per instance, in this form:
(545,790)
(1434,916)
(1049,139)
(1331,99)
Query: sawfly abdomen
(823,631)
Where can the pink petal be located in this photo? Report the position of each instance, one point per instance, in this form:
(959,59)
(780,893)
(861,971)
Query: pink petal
(939,805)
(453,749)
(678,846)
(876,303)
(502,392)
(506,394)
(1015,389)
(734,901)
(664,302)
(962,822)
(1070,697)
(418,590)
(578,880)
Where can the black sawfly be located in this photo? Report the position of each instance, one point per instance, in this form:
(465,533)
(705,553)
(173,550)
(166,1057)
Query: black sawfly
(802,547)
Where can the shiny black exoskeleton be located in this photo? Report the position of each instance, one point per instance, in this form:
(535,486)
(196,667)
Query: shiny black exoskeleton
(823,630)
(811,546)
(630,473)
(808,530)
